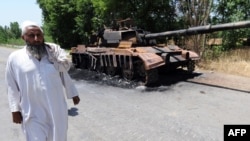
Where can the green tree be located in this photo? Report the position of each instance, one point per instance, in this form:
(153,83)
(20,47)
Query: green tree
(3,37)
(10,33)
(59,20)
(85,13)
(70,22)
(15,30)
(152,15)
(232,11)
(195,13)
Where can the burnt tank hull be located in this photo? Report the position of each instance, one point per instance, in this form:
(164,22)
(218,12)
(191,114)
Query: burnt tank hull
(133,63)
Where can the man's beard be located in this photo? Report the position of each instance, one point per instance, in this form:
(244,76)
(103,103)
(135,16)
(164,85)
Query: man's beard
(37,51)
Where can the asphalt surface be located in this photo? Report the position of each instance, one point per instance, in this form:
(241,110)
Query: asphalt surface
(190,108)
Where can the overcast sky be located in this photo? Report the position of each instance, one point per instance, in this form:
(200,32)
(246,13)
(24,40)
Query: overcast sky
(19,11)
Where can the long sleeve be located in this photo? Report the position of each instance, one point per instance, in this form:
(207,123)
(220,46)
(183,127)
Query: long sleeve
(69,86)
(12,88)
(58,56)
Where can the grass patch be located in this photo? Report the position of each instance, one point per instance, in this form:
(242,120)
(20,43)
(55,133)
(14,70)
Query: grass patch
(235,62)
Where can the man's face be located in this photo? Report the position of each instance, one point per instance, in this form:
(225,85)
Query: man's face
(33,36)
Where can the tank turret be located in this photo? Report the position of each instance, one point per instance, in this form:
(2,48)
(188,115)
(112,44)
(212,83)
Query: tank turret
(124,30)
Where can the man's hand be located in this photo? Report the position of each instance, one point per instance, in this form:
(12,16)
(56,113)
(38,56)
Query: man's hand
(17,117)
(76,100)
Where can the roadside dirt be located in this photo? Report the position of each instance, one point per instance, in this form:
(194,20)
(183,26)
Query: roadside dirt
(224,80)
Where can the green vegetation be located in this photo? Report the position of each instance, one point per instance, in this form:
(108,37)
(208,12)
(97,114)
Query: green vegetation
(235,61)
(12,35)
(69,23)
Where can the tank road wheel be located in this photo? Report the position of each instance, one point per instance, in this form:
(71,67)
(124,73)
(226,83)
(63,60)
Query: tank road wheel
(149,76)
(111,71)
(99,68)
(82,63)
(74,60)
(190,66)
(128,73)
(140,70)
(152,76)
(89,64)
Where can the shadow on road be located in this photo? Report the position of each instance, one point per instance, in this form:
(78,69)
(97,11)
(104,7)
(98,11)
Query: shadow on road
(73,112)
(176,76)
(166,80)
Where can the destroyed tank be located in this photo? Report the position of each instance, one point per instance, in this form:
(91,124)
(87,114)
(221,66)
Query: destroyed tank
(133,53)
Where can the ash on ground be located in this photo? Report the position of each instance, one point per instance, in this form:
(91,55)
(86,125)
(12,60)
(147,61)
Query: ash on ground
(101,78)
(165,81)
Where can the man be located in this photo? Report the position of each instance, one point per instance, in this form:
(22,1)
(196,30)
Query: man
(37,78)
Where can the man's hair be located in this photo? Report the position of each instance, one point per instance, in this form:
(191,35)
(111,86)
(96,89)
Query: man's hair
(26,24)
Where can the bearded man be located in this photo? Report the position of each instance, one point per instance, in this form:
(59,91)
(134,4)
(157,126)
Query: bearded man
(37,80)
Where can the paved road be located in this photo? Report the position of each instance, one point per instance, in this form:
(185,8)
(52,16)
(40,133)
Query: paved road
(184,110)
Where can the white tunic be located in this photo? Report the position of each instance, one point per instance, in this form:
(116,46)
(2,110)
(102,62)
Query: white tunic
(36,89)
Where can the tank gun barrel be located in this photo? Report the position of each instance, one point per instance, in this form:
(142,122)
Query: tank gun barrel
(200,29)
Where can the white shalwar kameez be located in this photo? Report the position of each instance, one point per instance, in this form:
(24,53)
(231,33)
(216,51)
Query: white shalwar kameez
(36,89)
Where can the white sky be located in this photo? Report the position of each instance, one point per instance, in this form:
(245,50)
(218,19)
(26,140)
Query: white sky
(19,11)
